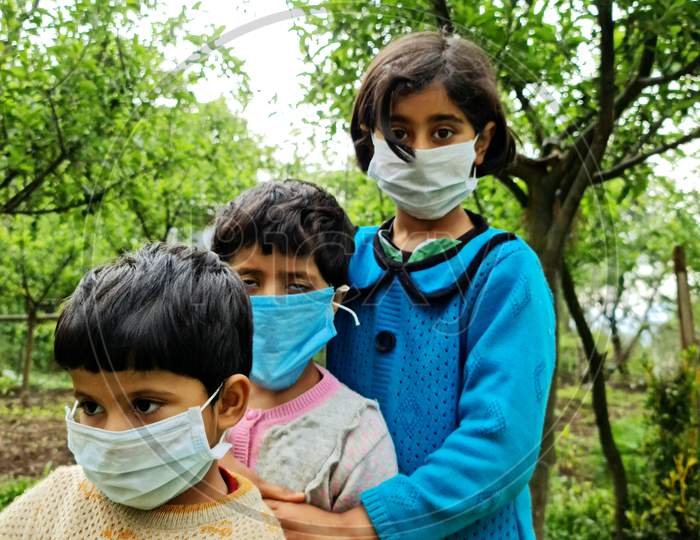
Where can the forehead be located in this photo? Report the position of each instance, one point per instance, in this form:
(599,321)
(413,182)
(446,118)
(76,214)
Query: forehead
(423,105)
(253,258)
(113,384)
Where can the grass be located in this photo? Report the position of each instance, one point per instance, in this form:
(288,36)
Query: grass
(10,488)
(578,447)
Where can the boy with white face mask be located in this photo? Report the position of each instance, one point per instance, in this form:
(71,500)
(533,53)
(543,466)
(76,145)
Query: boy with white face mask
(158,345)
(291,244)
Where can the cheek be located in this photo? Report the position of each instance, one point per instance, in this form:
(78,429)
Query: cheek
(211,428)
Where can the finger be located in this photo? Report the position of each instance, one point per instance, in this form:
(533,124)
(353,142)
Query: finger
(272,503)
(280,493)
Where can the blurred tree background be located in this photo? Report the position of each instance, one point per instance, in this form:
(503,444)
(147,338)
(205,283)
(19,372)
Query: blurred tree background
(103,148)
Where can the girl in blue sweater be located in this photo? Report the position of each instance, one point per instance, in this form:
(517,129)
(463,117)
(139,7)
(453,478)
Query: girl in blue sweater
(456,340)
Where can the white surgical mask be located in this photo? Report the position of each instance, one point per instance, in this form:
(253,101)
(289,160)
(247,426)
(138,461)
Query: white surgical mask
(433,183)
(147,466)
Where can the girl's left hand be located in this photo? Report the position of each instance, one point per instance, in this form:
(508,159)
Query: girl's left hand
(306,522)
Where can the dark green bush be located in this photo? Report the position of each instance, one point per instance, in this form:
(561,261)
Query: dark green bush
(665,502)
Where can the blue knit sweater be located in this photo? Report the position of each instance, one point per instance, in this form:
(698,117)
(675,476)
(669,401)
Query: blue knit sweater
(459,351)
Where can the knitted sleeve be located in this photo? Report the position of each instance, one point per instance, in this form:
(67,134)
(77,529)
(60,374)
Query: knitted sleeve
(487,461)
(368,459)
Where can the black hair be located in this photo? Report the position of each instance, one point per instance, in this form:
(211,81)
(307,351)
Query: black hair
(413,63)
(292,218)
(170,307)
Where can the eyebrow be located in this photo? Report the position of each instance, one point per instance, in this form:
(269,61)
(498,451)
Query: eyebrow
(247,270)
(300,274)
(433,118)
(150,392)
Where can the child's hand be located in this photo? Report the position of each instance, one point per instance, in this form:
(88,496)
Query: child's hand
(267,490)
(306,522)
(280,493)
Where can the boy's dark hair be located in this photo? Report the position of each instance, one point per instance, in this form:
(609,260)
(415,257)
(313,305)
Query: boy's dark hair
(294,218)
(170,307)
(413,63)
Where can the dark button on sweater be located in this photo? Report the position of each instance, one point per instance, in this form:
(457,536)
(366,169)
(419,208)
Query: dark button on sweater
(385,341)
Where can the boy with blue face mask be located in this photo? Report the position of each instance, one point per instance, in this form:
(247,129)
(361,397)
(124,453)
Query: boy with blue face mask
(291,244)
(158,346)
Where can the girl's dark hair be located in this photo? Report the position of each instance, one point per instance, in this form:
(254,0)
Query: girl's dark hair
(413,63)
(293,218)
(170,307)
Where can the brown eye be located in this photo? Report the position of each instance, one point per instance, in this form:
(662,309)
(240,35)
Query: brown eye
(90,408)
(250,283)
(399,134)
(146,406)
(297,288)
(442,134)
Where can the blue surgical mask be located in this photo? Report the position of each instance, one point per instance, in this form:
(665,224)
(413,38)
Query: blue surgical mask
(147,466)
(287,332)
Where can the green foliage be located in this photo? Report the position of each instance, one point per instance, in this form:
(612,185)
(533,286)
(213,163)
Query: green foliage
(6,384)
(579,509)
(666,501)
(357,194)
(102,148)
(78,80)
(12,489)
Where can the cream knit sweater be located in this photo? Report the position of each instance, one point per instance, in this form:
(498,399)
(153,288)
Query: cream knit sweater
(66,505)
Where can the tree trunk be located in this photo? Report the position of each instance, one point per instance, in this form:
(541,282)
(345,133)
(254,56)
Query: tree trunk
(685,316)
(600,404)
(538,217)
(685,312)
(29,348)
(539,484)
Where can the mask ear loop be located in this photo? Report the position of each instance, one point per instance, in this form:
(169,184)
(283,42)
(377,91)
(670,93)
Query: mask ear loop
(70,412)
(344,289)
(350,311)
(472,172)
(211,398)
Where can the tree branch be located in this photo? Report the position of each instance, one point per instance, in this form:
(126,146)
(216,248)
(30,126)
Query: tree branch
(442,14)
(93,200)
(531,116)
(25,192)
(635,86)
(56,274)
(620,168)
(528,169)
(663,79)
(600,136)
(627,352)
(57,124)
(606,93)
(515,189)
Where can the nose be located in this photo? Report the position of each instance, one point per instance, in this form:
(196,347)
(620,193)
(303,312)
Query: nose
(271,288)
(422,141)
(118,421)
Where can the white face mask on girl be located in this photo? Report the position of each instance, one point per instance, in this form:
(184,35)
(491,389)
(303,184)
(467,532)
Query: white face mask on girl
(147,466)
(435,182)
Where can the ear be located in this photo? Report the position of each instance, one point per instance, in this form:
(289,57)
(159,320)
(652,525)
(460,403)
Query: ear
(482,144)
(339,296)
(233,401)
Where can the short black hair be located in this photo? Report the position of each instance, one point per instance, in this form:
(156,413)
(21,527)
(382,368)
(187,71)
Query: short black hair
(293,218)
(411,64)
(171,307)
